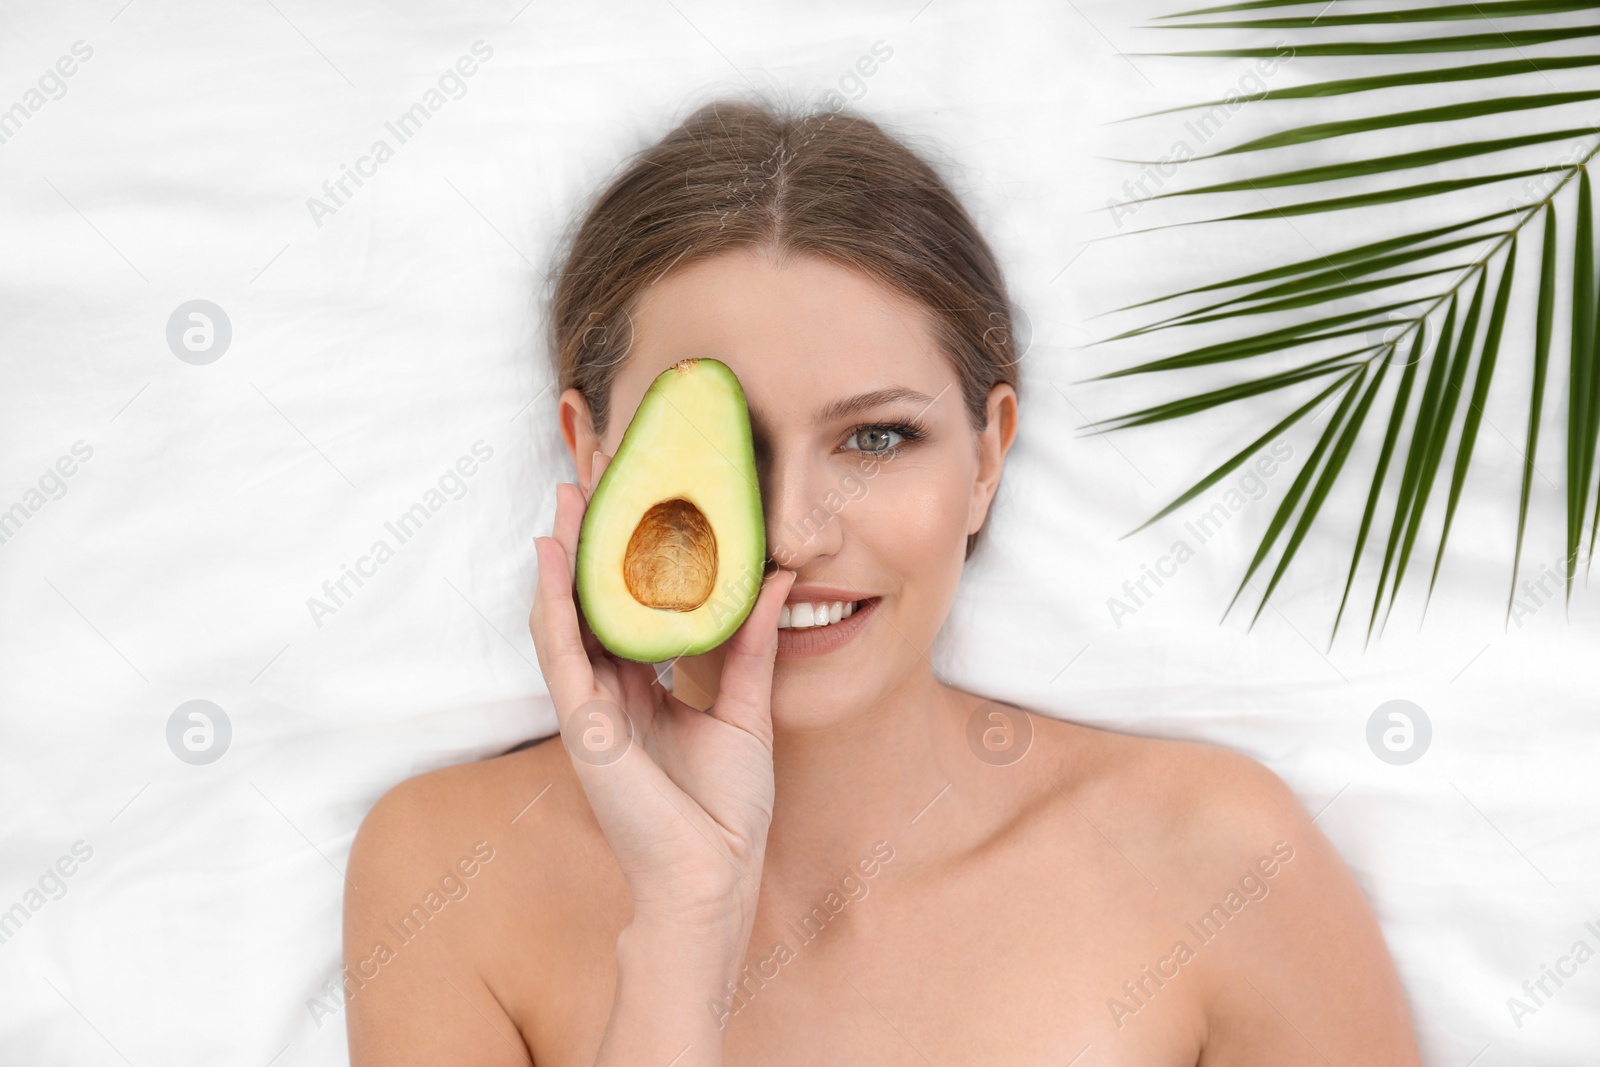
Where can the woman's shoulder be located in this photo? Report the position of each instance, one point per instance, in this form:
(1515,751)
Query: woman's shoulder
(1196,798)
(419,812)
(470,889)
(518,805)
(1190,818)
(472,789)
(1226,853)
(523,815)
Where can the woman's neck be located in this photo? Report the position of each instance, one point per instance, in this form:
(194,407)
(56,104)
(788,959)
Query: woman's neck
(843,786)
(898,771)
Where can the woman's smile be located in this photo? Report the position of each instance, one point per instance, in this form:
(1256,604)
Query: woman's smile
(802,631)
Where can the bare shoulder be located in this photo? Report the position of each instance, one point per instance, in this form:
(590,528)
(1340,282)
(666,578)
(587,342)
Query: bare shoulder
(500,801)
(448,869)
(1256,904)
(1198,803)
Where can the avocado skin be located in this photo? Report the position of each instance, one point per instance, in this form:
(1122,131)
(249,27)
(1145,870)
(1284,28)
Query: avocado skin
(647,464)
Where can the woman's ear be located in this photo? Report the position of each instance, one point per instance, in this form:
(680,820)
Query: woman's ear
(577,429)
(993,443)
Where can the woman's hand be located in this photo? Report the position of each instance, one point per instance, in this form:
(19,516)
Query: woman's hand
(684,797)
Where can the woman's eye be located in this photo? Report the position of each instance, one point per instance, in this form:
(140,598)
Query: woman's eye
(876,439)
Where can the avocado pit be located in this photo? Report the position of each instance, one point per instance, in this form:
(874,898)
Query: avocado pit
(671,560)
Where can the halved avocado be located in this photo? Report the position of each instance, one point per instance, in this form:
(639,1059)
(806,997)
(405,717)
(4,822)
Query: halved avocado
(673,543)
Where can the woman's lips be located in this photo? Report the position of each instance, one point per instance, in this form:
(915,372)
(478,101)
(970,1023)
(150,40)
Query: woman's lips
(820,640)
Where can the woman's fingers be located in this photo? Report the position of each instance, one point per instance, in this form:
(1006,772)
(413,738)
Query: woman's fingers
(570,506)
(601,462)
(641,694)
(563,660)
(744,692)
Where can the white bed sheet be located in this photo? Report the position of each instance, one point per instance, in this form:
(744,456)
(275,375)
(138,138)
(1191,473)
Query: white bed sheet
(375,345)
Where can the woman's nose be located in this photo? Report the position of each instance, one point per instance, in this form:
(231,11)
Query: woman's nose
(801,525)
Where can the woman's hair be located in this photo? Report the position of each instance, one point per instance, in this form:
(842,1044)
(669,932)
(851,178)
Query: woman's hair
(826,182)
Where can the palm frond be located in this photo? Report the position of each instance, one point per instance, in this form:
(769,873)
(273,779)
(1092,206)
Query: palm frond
(1396,417)
(1405,284)
(1474,411)
(1353,258)
(1545,323)
(1239,457)
(1580,448)
(1471,42)
(1364,167)
(1437,76)
(1454,11)
(1470,109)
(1443,13)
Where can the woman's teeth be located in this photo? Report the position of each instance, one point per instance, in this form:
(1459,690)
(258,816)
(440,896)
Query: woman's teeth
(800,616)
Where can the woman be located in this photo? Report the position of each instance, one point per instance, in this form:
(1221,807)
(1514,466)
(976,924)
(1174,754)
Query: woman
(812,849)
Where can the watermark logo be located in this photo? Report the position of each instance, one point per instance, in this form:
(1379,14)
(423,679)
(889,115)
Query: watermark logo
(1018,331)
(1399,732)
(1389,331)
(599,733)
(199,332)
(199,732)
(999,734)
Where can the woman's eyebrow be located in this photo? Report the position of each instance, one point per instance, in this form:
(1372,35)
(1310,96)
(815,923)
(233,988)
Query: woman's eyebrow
(842,409)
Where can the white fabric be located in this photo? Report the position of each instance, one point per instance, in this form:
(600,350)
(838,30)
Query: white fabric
(373,347)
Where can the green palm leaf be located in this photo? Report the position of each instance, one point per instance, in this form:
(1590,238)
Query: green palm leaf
(1446,13)
(1281,518)
(1342,86)
(1239,457)
(1456,11)
(1416,451)
(1317,295)
(1381,196)
(1335,263)
(1541,360)
(1396,417)
(1580,417)
(1341,449)
(1474,413)
(1472,42)
(1438,276)
(1277,340)
(1255,387)
(1471,109)
(1438,431)
(1384,164)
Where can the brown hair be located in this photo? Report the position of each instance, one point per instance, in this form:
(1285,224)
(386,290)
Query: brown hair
(826,182)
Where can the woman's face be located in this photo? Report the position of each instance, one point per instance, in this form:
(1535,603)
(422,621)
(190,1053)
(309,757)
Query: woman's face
(869,495)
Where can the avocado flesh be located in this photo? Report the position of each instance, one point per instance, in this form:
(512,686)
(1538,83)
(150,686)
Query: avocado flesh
(673,543)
